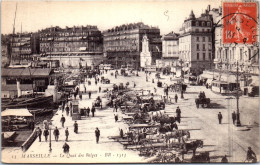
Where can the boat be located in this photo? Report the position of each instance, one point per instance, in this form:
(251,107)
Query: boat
(40,112)
(29,102)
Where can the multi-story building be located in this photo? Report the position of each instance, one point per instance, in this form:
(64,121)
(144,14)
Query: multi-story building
(5,50)
(23,46)
(82,43)
(170,51)
(229,56)
(123,44)
(195,42)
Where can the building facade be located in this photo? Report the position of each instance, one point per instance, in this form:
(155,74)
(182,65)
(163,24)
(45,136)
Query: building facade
(5,50)
(84,42)
(230,56)
(123,44)
(23,46)
(195,43)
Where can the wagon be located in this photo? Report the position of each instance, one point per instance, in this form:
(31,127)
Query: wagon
(202,101)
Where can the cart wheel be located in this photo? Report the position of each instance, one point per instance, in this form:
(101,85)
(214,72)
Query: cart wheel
(168,157)
(147,149)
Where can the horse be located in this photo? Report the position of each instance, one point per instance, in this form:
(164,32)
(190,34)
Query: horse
(201,158)
(192,146)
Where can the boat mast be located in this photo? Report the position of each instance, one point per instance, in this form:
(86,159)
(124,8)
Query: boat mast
(20,45)
(13,34)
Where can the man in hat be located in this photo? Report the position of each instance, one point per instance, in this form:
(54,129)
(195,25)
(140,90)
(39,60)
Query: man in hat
(46,134)
(66,134)
(56,134)
(178,114)
(39,133)
(97,133)
(62,120)
(76,127)
(219,117)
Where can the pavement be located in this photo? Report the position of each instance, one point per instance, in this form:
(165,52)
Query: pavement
(219,139)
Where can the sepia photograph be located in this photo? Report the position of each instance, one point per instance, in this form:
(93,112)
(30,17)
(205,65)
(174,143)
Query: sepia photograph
(150,81)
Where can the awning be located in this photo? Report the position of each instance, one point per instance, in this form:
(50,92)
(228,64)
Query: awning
(83,48)
(16,112)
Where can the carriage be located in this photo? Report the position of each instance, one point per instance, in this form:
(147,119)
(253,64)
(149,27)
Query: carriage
(105,81)
(97,102)
(202,102)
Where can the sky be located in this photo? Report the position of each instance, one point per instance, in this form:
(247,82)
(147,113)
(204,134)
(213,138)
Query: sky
(32,16)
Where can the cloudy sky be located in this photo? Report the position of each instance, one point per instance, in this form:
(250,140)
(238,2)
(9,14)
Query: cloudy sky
(36,15)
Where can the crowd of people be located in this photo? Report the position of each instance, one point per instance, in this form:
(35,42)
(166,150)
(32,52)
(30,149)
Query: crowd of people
(115,105)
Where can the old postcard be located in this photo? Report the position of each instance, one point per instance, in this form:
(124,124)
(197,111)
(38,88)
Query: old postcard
(130,82)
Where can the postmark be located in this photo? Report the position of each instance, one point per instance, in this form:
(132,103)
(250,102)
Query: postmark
(240,22)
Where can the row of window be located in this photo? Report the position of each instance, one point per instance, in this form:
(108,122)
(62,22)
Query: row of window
(70,34)
(70,38)
(230,54)
(203,46)
(203,56)
(203,39)
(198,23)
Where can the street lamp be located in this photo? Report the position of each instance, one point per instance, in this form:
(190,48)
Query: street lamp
(181,62)
(50,123)
(237,123)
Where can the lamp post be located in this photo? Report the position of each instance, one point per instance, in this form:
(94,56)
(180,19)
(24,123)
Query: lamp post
(181,62)
(50,149)
(238,123)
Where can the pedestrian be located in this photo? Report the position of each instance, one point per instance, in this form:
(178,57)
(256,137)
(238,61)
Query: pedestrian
(39,133)
(66,134)
(85,88)
(155,90)
(178,114)
(88,111)
(224,159)
(115,107)
(56,134)
(80,96)
(176,98)
(99,89)
(46,134)
(67,110)
(76,127)
(234,117)
(63,106)
(62,120)
(134,85)
(100,103)
(66,148)
(89,94)
(220,117)
(96,82)
(116,117)
(97,133)
(93,110)
(251,156)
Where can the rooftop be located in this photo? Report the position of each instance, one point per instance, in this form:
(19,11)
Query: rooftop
(26,72)
(139,25)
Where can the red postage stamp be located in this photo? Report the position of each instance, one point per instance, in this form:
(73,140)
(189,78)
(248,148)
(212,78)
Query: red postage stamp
(240,22)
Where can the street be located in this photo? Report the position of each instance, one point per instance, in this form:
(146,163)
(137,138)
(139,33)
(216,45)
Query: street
(219,139)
